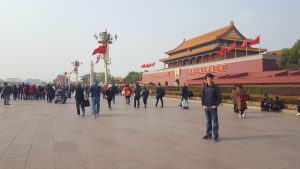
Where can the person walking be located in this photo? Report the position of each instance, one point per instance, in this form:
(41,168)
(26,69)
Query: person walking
(109,93)
(7,90)
(145,95)
(241,97)
(79,97)
(127,93)
(115,90)
(234,98)
(298,114)
(137,95)
(184,94)
(160,93)
(211,99)
(15,92)
(95,90)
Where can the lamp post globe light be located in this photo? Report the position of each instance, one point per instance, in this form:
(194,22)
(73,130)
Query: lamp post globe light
(76,64)
(105,38)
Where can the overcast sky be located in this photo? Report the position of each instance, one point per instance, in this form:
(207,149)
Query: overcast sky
(40,38)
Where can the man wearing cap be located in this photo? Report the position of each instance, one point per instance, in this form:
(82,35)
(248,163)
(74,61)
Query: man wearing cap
(95,95)
(211,99)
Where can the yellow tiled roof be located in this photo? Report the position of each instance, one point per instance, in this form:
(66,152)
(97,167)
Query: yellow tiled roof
(202,39)
(192,52)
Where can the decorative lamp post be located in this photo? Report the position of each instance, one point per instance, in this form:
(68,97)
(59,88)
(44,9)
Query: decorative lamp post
(91,73)
(76,64)
(65,78)
(105,38)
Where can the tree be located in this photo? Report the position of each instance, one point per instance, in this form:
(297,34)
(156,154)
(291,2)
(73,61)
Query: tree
(100,77)
(290,57)
(134,76)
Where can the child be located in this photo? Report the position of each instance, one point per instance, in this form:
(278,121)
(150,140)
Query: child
(145,95)
(298,114)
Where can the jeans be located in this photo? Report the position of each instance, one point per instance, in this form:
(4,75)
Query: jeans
(137,99)
(80,104)
(95,105)
(212,116)
(6,99)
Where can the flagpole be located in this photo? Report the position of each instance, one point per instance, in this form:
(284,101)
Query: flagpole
(246,47)
(259,46)
(225,51)
(235,50)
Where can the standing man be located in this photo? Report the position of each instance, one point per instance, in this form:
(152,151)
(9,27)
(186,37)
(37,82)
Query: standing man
(137,95)
(95,94)
(211,99)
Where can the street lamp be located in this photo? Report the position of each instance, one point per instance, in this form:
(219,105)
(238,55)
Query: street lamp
(65,78)
(105,38)
(76,64)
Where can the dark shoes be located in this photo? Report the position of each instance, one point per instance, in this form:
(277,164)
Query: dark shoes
(206,137)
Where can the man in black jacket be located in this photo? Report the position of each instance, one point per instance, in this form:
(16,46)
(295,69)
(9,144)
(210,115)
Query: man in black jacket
(137,95)
(211,99)
(160,93)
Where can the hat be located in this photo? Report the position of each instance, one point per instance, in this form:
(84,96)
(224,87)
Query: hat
(96,82)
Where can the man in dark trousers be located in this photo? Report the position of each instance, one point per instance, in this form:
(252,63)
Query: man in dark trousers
(160,93)
(137,95)
(184,94)
(7,90)
(211,99)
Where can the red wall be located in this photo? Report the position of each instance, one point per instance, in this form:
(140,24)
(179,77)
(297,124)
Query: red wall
(235,67)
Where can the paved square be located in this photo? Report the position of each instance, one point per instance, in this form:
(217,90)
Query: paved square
(37,135)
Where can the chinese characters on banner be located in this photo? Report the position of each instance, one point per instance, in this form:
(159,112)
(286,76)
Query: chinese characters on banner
(211,69)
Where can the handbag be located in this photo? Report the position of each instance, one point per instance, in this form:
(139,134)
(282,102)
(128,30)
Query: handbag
(86,103)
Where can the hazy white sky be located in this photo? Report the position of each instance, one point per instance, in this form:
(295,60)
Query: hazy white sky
(40,38)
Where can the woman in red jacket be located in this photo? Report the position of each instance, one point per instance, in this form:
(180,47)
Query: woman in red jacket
(127,93)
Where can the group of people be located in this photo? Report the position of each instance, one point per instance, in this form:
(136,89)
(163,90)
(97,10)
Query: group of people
(268,104)
(24,91)
(109,93)
(210,99)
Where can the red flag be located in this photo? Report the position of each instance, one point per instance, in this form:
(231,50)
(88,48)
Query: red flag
(148,65)
(153,64)
(101,49)
(255,41)
(244,45)
(143,66)
(98,59)
(231,47)
(222,51)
